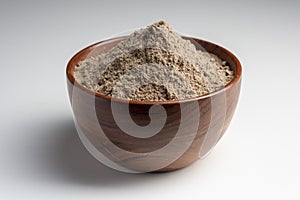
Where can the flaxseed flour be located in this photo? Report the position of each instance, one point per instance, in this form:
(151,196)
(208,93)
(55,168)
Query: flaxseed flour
(154,64)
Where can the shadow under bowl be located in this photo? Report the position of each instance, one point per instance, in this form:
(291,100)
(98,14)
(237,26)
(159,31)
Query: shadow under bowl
(191,128)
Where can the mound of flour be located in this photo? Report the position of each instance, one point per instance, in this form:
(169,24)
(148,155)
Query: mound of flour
(155,64)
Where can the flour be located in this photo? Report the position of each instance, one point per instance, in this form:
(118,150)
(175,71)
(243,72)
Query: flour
(154,64)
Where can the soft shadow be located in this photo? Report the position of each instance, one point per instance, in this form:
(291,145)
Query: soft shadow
(66,159)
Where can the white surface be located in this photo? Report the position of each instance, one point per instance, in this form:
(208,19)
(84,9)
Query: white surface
(41,154)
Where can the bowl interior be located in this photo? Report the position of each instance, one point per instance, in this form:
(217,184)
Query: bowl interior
(105,46)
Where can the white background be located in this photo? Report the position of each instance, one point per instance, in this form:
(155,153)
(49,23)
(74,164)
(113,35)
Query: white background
(41,154)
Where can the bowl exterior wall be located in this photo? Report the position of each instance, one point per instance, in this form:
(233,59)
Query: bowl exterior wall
(212,114)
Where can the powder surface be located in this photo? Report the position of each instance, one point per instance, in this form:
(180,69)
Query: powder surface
(154,64)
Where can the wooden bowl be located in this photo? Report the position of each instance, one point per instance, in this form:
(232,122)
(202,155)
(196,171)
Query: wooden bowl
(206,119)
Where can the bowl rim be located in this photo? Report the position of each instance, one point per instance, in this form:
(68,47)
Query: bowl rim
(71,78)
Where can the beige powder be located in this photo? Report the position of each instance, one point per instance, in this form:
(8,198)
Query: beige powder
(154,63)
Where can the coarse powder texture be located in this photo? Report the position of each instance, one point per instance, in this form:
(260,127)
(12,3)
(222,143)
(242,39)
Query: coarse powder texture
(154,64)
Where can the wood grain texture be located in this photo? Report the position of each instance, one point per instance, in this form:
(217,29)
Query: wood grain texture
(139,111)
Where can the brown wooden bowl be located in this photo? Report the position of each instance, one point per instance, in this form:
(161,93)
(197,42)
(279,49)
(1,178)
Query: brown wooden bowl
(206,119)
